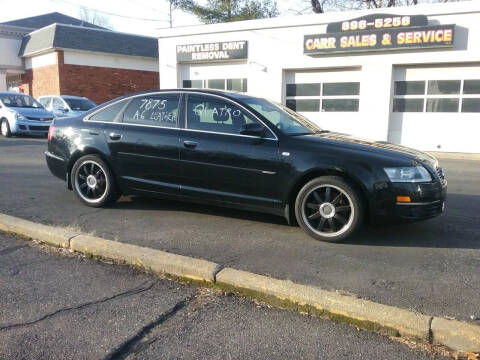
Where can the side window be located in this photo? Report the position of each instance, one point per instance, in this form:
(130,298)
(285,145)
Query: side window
(109,113)
(44,101)
(209,114)
(57,104)
(157,110)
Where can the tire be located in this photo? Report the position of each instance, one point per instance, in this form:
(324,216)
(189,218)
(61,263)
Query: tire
(93,182)
(5,128)
(329,209)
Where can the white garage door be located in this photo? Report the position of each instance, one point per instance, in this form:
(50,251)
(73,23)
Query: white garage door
(220,76)
(436,108)
(329,98)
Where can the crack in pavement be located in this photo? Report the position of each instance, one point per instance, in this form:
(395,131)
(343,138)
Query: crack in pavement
(142,288)
(12,249)
(130,345)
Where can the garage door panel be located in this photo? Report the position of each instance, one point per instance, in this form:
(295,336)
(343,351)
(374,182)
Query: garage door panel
(436,108)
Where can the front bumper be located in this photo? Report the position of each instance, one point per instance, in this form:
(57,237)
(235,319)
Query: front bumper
(31,127)
(427,201)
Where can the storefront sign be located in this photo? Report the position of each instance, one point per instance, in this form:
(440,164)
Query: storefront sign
(379,32)
(217,51)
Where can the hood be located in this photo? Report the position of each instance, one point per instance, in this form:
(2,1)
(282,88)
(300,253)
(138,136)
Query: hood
(35,113)
(375,146)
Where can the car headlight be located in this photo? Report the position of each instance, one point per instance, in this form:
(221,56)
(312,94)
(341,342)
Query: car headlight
(412,174)
(19,116)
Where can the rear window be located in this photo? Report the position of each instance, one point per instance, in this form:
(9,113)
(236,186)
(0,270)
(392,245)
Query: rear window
(110,113)
(80,104)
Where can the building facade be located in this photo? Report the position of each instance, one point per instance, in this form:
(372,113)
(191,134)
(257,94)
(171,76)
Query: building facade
(74,58)
(410,76)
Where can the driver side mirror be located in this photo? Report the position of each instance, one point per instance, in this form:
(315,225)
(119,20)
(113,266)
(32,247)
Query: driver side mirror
(253,129)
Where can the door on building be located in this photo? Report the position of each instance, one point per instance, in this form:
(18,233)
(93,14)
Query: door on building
(436,108)
(215,157)
(219,76)
(330,98)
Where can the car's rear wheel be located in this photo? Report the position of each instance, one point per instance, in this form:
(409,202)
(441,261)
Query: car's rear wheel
(93,182)
(329,209)
(5,128)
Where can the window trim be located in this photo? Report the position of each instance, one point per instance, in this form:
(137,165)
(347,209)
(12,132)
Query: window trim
(183,96)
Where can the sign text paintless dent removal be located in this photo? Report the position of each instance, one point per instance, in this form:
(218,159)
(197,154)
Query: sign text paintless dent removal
(379,32)
(217,51)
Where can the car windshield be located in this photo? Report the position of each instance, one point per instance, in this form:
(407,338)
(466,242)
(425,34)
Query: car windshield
(288,121)
(80,104)
(18,100)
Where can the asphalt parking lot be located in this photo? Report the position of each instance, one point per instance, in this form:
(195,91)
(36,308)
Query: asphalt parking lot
(432,266)
(121,313)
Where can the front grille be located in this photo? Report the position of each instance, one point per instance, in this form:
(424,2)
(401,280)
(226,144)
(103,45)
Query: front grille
(38,119)
(38,128)
(440,174)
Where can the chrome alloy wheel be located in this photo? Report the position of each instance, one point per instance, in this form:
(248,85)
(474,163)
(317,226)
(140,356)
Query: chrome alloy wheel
(91,182)
(328,210)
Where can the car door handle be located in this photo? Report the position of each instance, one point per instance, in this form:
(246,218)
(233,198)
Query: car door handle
(115,136)
(190,144)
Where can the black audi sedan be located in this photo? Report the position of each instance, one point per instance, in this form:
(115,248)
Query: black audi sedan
(234,150)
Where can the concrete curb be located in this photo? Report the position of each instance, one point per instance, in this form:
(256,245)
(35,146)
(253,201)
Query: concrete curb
(156,261)
(362,313)
(366,314)
(51,235)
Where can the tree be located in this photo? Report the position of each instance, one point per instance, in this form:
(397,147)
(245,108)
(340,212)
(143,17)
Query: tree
(94,17)
(216,11)
(321,6)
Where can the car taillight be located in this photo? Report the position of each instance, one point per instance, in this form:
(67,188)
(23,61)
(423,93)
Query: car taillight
(51,131)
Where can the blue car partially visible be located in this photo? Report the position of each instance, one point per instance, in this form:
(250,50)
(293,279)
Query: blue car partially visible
(22,114)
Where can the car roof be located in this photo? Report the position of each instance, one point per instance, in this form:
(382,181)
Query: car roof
(225,93)
(63,96)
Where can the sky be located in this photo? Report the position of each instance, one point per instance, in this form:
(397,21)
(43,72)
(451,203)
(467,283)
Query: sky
(133,16)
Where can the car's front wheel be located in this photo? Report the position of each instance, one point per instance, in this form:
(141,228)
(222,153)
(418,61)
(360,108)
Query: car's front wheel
(93,182)
(5,128)
(329,209)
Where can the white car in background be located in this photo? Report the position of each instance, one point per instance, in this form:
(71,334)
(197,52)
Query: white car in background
(66,105)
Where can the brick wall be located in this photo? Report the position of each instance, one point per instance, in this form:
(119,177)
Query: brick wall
(103,84)
(41,81)
(97,83)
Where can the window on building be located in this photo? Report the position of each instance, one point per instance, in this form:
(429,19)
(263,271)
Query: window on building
(471,87)
(303,89)
(193,84)
(437,96)
(471,105)
(408,105)
(443,87)
(325,97)
(209,114)
(442,105)
(409,88)
(156,110)
(109,113)
(238,85)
